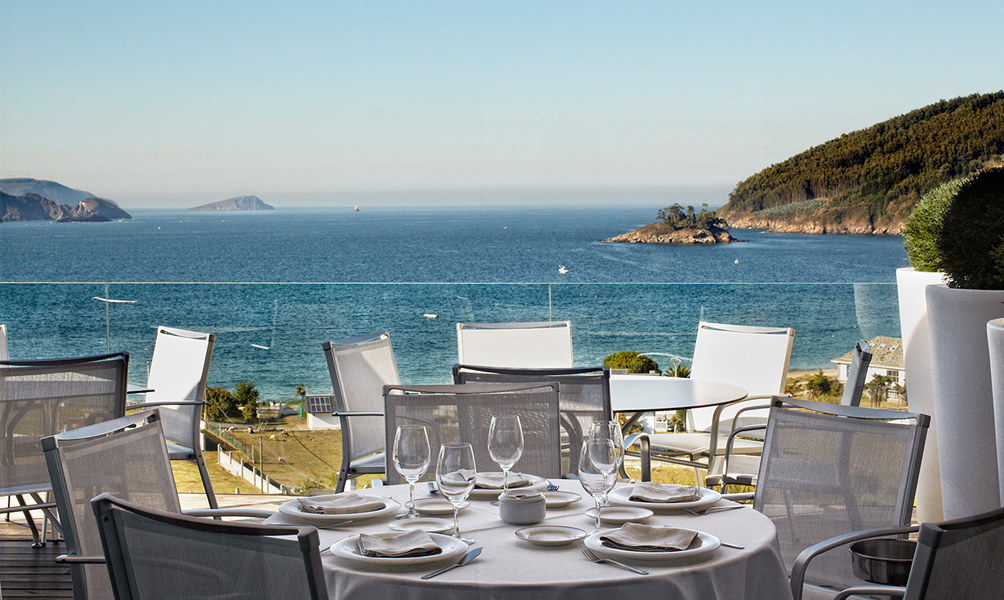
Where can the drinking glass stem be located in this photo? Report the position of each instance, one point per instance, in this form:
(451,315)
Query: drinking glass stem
(412,511)
(505,482)
(598,499)
(456,520)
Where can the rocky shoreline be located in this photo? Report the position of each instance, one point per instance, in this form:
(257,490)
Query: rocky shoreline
(660,233)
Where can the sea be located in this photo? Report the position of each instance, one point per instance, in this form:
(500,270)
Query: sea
(274,285)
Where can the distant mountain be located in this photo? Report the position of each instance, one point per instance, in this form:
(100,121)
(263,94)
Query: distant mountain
(868,181)
(35,200)
(239,203)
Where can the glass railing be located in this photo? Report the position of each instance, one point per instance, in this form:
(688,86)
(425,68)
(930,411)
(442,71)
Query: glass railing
(271,333)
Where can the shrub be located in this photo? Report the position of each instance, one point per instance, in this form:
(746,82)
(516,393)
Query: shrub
(632,361)
(220,403)
(247,397)
(958,228)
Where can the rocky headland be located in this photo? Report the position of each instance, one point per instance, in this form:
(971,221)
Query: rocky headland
(239,203)
(660,233)
(25,199)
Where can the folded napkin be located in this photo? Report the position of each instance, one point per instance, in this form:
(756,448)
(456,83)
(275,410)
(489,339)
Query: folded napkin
(340,504)
(648,538)
(664,492)
(493,481)
(412,543)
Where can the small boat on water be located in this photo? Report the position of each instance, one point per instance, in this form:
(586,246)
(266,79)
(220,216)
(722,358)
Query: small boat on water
(356,209)
(562,269)
(430,315)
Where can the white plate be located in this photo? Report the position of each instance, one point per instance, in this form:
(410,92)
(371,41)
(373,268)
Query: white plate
(619,515)
(452,547)
(620,497)
(536,483)
(436,506)
(560,499)
(550,535)
(704,543)
(427,524)
(292,508)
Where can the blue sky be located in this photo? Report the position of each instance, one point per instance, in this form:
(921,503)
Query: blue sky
(309,103)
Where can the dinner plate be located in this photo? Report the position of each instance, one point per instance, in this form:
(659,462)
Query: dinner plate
(704,543)
(536,483)
(292,508)
(619,515)
(437,506)
(427,524)
(550,535)
(620,496)
(560,499)
(452,548)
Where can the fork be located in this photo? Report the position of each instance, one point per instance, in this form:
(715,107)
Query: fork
(598,559)
(551,487)
(714,509)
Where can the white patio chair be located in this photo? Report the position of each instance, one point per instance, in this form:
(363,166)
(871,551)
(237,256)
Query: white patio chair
(43,397)
(125,457)
(546,345)
(359,368)
(159,555)
(960,558)
(583,397)
(830,470)
(463,413)
(179,371)
(755,358)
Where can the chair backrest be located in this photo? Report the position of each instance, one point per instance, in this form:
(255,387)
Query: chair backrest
(126,457)
(959,559)
(3,342)
(359,368)
(179,371)
(546,345)
(463,413)
(857,372)
(153,555)
(829,469)
(45,397)
(755,358)
(583,397)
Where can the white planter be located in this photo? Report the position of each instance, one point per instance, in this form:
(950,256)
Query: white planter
(911,286)
(995,338)
(963,397)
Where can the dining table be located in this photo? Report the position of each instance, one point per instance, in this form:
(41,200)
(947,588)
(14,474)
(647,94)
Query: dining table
(640,394)
(511,568)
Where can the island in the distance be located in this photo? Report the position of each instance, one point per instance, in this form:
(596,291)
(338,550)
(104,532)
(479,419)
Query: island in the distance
(239,203)
(25,199)
(678,225)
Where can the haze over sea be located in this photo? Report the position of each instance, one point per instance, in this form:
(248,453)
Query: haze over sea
(274,285)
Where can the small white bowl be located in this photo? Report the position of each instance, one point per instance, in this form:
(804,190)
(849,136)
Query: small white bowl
(619,515)
(550,535)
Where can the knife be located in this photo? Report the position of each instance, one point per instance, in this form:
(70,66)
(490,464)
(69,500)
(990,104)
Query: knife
(463,561)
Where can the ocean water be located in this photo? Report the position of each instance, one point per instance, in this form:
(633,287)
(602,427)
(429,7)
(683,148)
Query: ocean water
(274,285)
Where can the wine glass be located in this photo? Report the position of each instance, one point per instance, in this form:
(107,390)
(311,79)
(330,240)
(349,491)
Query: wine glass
(598,470)
(411,458)
(610,430)
(505,444)
(455,472)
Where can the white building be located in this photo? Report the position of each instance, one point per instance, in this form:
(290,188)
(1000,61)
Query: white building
(887,359)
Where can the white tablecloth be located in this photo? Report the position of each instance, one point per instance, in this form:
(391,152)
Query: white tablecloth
(513,569)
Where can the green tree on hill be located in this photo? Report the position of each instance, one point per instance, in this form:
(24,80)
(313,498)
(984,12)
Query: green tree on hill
(247,396)
(678,217)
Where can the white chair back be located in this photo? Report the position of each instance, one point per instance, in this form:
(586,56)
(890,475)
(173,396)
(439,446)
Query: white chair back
(546,345)
(178,373)
(755,358)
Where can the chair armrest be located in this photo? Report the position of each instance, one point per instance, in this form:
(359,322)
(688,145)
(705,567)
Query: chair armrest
(143,405)
(738,496)
(228,512)
(86,560)
(641,438)
(802,562)
(357,413)
(867,590)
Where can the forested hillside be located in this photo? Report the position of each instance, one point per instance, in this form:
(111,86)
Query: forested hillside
(868,181)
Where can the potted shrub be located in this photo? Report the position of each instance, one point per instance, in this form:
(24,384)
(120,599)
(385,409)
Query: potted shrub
(958,229)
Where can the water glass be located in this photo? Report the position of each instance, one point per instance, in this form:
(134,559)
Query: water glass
(455,473)
(598,471)
(505,444)
(610,430)
(411,458)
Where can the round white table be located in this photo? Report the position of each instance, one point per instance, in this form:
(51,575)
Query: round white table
(640,394)
(513,569)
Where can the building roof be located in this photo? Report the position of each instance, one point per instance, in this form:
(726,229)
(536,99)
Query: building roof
(887,353)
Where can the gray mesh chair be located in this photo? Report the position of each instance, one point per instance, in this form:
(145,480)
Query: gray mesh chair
(126,457)
(44,397)
(463,413)
(828,470)
(583,397)
(955,559)
(544,345)
(857,373)
(155,554)
(359,368)
(179,371)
